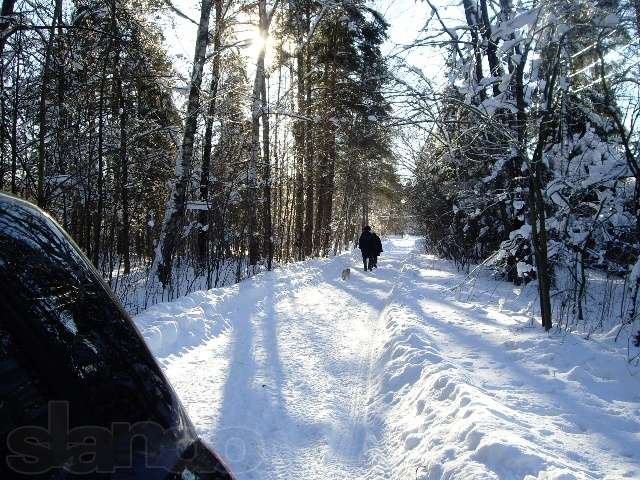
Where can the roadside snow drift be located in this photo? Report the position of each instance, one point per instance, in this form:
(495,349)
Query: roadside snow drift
(469,387)
(395,374)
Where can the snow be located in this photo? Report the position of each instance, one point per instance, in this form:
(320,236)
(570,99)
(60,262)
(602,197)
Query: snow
(197,205)
(525,19)
(402,373)
(524,268)
(634,277)
(610,20)
(496,169)
(524,232)
(169,327)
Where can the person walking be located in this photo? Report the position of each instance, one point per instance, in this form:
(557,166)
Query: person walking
(377,249)
(366,246)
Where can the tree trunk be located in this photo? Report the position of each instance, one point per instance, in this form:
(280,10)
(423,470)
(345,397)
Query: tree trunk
(299,137)
(42,109)
(5,25)
(330,152)
(14,130)
(537,212)
(539,240)
(97,220)
(256,114)
(277,176)
(634,290)
(365,194)
(120,111)
(495,68)
(309,167)
(176,207)
(205,216)
(471,15)
(267,241)
(124,181)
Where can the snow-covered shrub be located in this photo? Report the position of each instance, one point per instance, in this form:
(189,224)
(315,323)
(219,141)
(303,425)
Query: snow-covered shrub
(532,168)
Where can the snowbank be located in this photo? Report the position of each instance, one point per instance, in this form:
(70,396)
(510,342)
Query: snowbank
(469,387)
(170,326)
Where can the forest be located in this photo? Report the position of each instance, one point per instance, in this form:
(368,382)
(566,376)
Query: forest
(254,161)
(519,155)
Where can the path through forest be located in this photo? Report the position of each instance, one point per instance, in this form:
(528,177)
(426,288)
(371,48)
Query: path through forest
(283,389)
(406,372)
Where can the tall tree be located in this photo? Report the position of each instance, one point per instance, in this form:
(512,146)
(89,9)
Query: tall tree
(176,207)
(255,160)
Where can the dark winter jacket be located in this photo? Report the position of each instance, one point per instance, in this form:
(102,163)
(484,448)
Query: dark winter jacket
(366,244)
(377,244)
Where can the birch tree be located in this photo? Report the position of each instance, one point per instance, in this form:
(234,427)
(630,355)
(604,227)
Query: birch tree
(176,206)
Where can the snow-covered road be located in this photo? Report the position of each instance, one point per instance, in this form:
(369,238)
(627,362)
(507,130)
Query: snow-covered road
(394,374)
(282,390)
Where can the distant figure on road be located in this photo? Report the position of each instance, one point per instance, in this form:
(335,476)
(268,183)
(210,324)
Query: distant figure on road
(377,249)
(366,244)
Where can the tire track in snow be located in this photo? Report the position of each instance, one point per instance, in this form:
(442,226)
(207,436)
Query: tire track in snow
(360,444)
(351,441)
(292,376)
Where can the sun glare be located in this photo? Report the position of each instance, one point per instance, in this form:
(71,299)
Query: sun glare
(257,43)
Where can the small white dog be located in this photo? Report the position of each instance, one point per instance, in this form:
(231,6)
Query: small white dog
(346,273)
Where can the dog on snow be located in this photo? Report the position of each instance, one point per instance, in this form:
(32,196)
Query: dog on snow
(346,273)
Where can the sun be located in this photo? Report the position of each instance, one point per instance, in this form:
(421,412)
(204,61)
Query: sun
(258,42)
